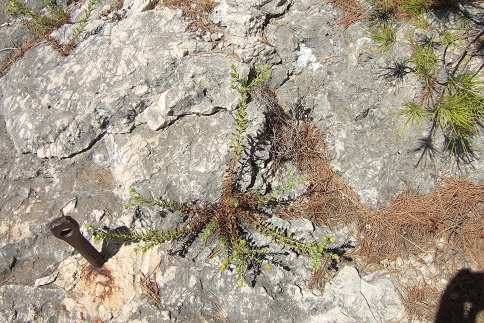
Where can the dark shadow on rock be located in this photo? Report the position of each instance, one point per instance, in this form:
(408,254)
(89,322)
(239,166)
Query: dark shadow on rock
(427,150)
(461,152)
(397,70)
(462,299)
(111,247)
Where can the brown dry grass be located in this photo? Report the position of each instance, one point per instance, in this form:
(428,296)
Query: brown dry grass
(150,287)
(449,220)
(32,42)
(63,49)
(452,215)
(195,11)
(351,11)
(329,200)
(420,300)
(447,223)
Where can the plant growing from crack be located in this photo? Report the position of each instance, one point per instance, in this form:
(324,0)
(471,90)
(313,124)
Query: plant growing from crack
(42,23)
(66,48)
(231,217)
(51,18)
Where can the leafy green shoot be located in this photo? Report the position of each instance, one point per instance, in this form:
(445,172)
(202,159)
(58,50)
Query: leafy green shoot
(54,17)
(243,86)
(138,199)
(291,181)
(149,238)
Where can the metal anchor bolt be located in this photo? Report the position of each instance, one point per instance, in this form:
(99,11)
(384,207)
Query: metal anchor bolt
(67,229)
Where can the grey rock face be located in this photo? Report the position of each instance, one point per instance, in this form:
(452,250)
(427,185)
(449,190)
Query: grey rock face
(29,304)
(145,102)
(185,162)
(366,299)
(70,103)
(247,18)
(339,80)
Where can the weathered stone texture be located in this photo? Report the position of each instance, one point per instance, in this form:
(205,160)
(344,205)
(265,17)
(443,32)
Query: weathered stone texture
(145,102)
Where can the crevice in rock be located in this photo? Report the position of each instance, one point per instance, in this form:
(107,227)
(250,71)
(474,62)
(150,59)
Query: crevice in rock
(89,146)
(270,16)
(179,117)
(369,308)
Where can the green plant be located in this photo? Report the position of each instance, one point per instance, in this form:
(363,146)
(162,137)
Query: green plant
(53,17)
(66,48)
(209,230)
(314,250)
(138,199)
(382,33)
(243,85)
(424,60)
(241,254)
(416,7)
(43,22)
(452,104)
(291,181)
(150,238)
(460,111)
(448,37)
(384,5)
(414,114)
(81,24)
(451,95)
(235,212)
(208,5)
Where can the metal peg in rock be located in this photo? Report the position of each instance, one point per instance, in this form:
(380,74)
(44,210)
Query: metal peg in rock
(67,229)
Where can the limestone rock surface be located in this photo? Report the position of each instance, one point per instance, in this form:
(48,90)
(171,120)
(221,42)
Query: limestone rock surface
(144,101)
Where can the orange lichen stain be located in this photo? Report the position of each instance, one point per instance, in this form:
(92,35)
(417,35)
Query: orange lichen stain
(98,320)
(100,283)
(64,308)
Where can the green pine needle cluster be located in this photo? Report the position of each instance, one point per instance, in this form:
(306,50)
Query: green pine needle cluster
(414,114)
(460,111)
(456,108)
(383,33)
(450,101)
(424,60)
(416,8)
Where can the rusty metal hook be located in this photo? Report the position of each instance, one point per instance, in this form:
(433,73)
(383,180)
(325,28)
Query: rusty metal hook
(67,229)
